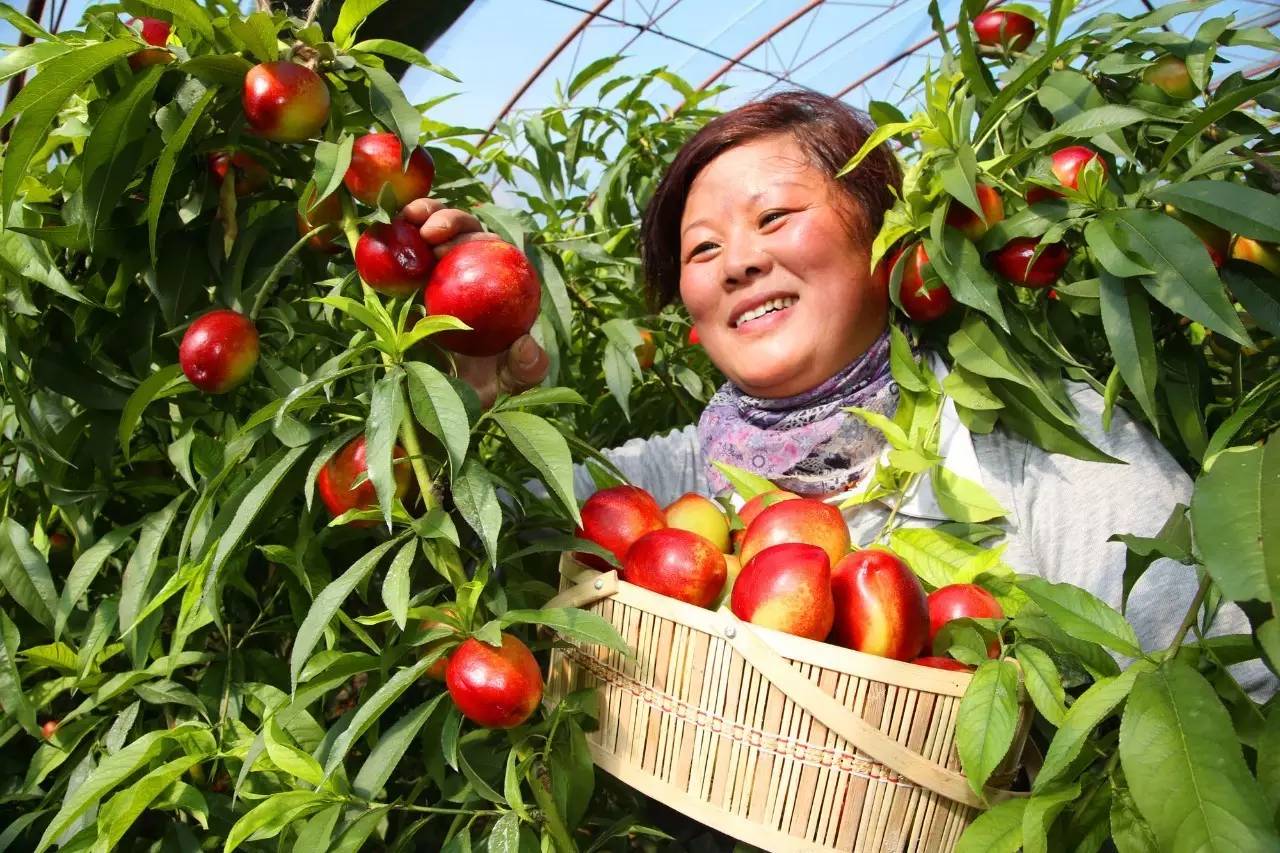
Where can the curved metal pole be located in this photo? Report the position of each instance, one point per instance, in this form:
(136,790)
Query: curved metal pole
(550,58)
(747,51)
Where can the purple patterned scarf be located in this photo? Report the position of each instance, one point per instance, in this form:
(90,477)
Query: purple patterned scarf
(806,444)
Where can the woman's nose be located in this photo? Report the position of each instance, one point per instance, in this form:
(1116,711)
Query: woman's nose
(744,263)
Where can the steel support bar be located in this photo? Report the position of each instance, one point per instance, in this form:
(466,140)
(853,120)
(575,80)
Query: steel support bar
(543,66)
(749,49)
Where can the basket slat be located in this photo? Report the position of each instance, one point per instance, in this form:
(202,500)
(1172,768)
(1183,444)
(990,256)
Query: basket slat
(699,719)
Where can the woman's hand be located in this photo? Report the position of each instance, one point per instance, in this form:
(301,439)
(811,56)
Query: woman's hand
(522,366)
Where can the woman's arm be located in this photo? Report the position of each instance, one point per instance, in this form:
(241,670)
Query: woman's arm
(666,466)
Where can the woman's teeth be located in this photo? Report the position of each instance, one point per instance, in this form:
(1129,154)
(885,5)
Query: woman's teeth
(761,310)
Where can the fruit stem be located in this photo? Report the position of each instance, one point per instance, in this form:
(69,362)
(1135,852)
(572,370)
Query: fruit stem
(555,824)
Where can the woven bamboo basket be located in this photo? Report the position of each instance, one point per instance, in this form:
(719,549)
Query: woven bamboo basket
(779,741)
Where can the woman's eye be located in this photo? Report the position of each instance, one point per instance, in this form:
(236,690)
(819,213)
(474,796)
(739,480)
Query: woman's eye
(700,248)
(771,216)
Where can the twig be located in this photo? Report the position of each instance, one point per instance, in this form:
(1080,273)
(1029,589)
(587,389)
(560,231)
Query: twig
(1190,619)
(312,12)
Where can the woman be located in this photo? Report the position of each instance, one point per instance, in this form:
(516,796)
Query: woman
(770,255)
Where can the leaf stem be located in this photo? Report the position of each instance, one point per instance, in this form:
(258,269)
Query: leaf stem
(913,477)
(1190,619)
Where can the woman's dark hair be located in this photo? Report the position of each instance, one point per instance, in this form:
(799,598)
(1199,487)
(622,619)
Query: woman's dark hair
(830,132)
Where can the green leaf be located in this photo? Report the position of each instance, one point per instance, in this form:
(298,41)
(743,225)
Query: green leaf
(959,265)
(288,757)
(437,406)
(986,721)
(1230,206)
(1221,106)
(386,410)
(1269,760)
(24,573)
(174,148)
(1102,239)
(30,259)
(1233,503)
(12,696)
(350,17)
(1093,706)
(38,104)
(474,495)
(1129,832)
(85,570)
(119,813)
(113,150)
(1093,122)
(963,499)
(391,108)
(1258,292)
(1042,809)
(326,604)
(23,24)
(1185,278)
(1185,768)
(575,624)
(745,483)
(392,746)
(396,587)
(505,835)
(189,13)
(937,557)
(1126,320)
(1082,614)
(594,70)
(1044,685)
(273,814)
(997,830)
(231,527)
(545,448)
(258,34)
(404,53)
(371,709)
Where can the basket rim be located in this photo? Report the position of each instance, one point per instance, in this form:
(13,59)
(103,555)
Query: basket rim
(799,649)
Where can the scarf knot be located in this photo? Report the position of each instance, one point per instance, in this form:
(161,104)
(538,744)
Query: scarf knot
(806,443)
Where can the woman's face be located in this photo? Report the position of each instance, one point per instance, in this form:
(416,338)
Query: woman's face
(775,281)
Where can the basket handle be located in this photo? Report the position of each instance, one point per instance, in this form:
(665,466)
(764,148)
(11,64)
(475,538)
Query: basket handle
(849,725)
(596,587)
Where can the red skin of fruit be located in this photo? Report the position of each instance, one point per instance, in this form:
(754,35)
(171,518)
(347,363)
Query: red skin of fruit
(615,518)
(489,285)
(754,507)
(285,101)
(48,728)
(806,520)
(393,258)
(328,212)
(880,605)
(699,515)
(1013,261)
(961,600)
(219,351)
(59,542)
(788,588)
(494,688)
(375,160)
(921,304)
(694,340)
(678,564)
(335,479)
(1004,29)
(942,663)
(1067,163)
(251,175)
(647,351)
(1256,252)
(963,219)
(1169,74)
(153,31)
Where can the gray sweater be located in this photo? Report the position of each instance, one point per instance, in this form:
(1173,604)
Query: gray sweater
(1061,512)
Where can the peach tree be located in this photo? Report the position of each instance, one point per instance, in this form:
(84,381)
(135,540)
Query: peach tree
(248,513)
(1100,207)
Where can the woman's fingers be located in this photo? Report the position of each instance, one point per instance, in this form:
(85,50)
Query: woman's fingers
(420,209)
(443,248)
(526,365)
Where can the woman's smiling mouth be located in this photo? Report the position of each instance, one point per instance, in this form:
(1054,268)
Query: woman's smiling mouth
(768,308)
